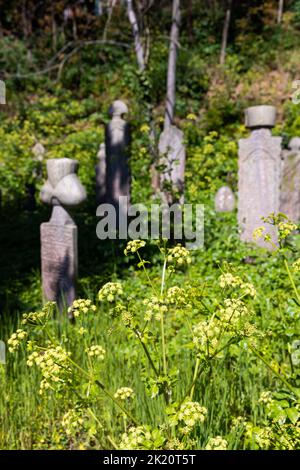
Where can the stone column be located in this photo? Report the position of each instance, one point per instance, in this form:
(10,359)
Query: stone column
(59,257)
(172,157)
(259,173)
(224,200)
(117,141)
(290,182)
(101,175)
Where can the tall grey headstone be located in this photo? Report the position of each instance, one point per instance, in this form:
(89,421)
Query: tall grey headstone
(259,173)
(290,181)
(2,92)
(101,175)
(172,157)
(117,142)
(224,200)
(59,257)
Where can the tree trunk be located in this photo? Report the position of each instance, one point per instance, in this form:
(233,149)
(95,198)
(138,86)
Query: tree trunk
(139,50)
(225,32)
(171,79)
(280,11)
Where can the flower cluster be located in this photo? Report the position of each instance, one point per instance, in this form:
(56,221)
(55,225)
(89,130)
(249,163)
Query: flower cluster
(96,351)
(34,318)
(178,255)
(216,443)
(233,311)
(258,232)
(154,307)
(229,280)
(133,246)
(81,306)
(141,437)
(285,228)
(72,422)
(206,335)
(261,435)
(296,265)
(265,397)
(176,295)
(15,340)
(54,366)
(145,128)
(110,291)
(189,414)
(124,393)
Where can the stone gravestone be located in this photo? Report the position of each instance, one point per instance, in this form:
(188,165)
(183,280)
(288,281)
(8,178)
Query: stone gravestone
(2,92)
(224,200)
(62,190)
(172,157)
(290,182)
(101,175)
(117,141)
(259,173)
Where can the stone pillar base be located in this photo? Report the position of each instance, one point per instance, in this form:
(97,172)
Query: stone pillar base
(59,262)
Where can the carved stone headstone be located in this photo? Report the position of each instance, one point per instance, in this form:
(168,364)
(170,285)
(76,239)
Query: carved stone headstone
(38,151)
(172,157)
(259,173)
(117,141)
(2,92)
(59,257)
(101,175)
(290,181)
(224,200)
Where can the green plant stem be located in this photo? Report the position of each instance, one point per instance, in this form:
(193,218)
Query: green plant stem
(146,274)
(194,377)
(146,352)
(283,380)
(292,280)
(162,323)
(97,382)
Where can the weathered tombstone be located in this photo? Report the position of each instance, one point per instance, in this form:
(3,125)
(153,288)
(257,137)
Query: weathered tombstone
(117,141)
(59,257)
(259,173)
(2,352)
(172,157)
(38,151)
(101,175)
(2,92)
(290,181)
(224,200)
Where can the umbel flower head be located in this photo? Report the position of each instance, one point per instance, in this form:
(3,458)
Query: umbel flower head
(35,318)
(133,246)
(189,414)
(178,255)
(96,351)
(124,393)
(110,291)
(155,307)
(81,307)
(216,443)
(73,422)
(54,366)
(16,339)
(228,280)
